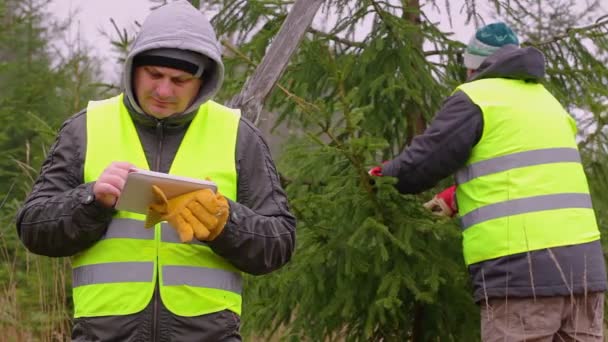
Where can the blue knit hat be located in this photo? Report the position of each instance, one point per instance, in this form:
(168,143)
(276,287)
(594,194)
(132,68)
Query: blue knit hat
(486,41)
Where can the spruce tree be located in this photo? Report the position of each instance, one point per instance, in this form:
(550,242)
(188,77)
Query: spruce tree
(370,264)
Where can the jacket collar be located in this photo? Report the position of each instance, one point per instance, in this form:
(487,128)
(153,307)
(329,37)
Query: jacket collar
(175,121)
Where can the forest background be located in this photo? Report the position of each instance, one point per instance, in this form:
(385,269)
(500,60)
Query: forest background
(370,264)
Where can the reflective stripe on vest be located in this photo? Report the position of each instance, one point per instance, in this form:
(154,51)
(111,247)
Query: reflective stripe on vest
(123,272)
(525,205)
(522,190)
(125,228)
(515,160)
(117,275)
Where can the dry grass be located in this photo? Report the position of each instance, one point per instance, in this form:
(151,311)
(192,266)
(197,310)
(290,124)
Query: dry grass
(33,298)
(574,307)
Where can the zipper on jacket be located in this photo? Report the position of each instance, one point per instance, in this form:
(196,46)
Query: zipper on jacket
(156,296)
(156,167)
(160,135)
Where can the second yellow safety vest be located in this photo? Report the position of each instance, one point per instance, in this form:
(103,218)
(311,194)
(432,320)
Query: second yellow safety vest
(523,187)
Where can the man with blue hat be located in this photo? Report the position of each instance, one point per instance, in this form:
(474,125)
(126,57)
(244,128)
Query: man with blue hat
(530,236)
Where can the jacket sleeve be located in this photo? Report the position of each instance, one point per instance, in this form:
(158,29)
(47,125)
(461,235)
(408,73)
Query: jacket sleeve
(259,237)
(60,217)
(441,150)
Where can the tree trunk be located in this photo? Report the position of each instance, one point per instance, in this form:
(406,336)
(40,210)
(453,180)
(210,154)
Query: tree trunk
(418,325)
(416,124)
(415,120)
(257,87)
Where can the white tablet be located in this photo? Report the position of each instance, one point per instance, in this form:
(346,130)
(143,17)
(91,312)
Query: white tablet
(137,194)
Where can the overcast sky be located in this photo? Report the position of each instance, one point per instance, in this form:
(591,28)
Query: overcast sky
(94,16)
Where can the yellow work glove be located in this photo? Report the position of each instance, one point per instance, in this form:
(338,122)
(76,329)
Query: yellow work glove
(199,213)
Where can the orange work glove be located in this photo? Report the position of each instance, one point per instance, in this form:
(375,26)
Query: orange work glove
(199,213)
(444,203)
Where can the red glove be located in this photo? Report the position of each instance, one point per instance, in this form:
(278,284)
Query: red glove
(375,171)
(444,203)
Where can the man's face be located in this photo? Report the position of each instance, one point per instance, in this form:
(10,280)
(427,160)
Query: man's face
(162,92)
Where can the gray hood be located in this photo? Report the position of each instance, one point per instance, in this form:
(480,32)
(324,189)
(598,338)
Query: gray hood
(178,25)
(513,62)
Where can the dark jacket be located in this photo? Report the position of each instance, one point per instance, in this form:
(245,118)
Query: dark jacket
(446,146)
(60,218)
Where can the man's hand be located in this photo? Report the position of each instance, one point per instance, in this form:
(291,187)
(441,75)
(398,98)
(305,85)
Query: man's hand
(444,203)
(375,171)
(201,213)
(110,183)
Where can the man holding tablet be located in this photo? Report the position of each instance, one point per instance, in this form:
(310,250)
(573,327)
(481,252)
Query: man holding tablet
(132,283)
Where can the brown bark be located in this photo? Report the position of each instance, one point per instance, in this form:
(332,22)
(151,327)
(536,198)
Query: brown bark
(416,124)
(259,85)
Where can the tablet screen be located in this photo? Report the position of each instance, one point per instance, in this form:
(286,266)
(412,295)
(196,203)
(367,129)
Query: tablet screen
(137,194)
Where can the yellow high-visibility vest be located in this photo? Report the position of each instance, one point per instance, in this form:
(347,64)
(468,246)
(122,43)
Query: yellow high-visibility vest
(117,275)
(523,187)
